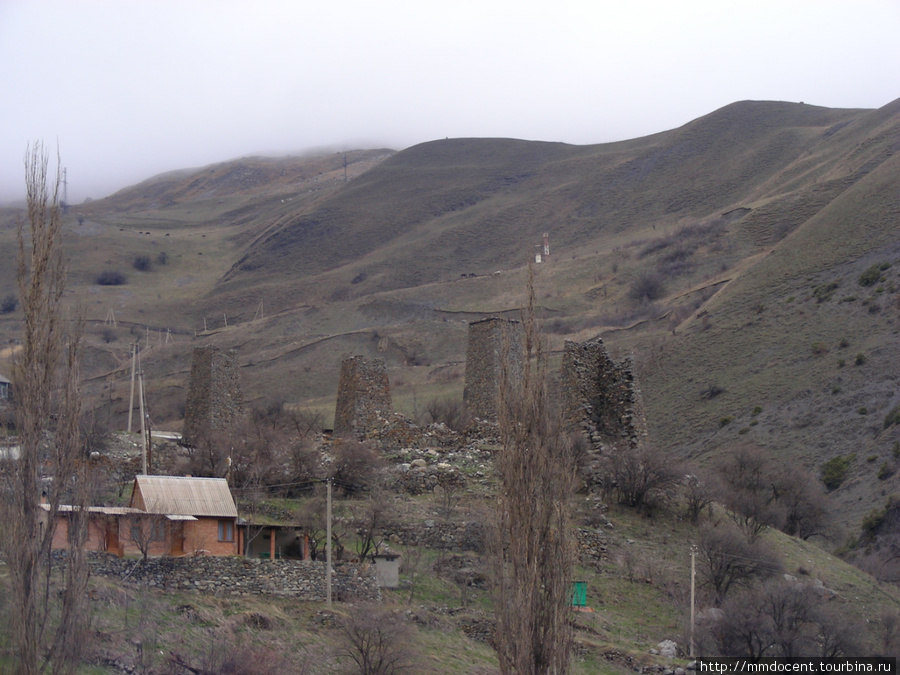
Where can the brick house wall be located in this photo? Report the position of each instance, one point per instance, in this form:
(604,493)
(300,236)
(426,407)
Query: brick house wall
(182,538)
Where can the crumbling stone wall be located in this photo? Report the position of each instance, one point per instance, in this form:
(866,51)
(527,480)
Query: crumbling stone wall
(494,351)
(215,399)
(602,397)
(363,392)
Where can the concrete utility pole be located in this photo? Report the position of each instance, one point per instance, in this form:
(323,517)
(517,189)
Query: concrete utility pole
(328,545)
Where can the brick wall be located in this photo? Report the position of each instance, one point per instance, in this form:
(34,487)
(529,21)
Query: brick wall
(198,535)
(215,399)
(494,350)
(363,392)
(96,536)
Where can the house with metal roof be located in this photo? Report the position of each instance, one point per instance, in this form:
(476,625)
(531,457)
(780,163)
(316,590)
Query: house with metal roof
(181,515)
(168,515)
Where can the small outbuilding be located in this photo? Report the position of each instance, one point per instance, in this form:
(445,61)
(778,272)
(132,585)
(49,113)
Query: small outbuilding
(387,569)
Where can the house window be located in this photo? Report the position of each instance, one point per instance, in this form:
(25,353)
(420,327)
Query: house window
(226,530)
(154,530)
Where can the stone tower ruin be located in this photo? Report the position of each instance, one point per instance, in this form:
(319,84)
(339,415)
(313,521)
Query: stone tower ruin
(494,351)
(602,397)
(363,390)
(215,400)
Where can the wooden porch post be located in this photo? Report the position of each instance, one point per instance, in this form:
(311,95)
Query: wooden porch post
(272,544)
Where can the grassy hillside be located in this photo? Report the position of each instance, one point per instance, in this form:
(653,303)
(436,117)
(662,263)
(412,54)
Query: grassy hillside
(750,261)
(724,254)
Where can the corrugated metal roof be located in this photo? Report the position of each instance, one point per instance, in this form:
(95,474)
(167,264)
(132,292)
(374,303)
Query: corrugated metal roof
(178,495)
(108,510)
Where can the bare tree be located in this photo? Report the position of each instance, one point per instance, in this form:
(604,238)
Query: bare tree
(369,528)
(748,489)
(48,366)
(699,495)
(802,502)
(356,466)
(148,531)
(377,641)
(640,474)
(532,549)
(729,560)
(746,629)
(311,517)
(785,619)
(451,485)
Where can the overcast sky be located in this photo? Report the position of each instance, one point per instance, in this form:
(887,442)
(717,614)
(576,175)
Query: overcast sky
(132,88)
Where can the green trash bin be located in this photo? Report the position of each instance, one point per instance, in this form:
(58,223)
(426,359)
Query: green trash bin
(579,594)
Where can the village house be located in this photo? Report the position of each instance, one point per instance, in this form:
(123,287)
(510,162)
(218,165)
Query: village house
(182,516)
(167,515)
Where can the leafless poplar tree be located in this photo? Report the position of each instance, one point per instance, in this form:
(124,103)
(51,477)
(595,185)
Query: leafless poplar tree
(532,547)
(46,383)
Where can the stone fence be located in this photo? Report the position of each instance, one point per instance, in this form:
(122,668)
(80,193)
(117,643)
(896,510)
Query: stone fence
(302,579)
(453,536)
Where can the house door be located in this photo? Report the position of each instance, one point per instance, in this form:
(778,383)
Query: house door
(177,538)
(112,536)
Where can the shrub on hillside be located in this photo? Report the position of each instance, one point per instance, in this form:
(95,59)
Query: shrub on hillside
(873,275)
(647,287)
(111,278)
(141,263)
(819,348)
(834,471)
(9,304)
(893,417)
(450,412)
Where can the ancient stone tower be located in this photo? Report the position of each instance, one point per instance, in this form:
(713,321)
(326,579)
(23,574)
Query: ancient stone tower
(215,400)
(601,396)
(494,351)
(362,390)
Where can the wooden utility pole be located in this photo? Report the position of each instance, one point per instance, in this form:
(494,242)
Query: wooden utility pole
(131,399)
(328,545)
(143,423)
(693,579)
